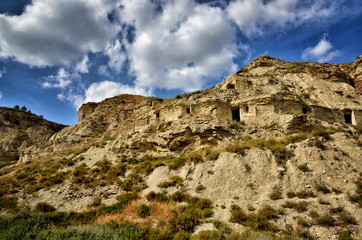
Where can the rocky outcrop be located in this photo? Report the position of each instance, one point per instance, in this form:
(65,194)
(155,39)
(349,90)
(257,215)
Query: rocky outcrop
(20,130)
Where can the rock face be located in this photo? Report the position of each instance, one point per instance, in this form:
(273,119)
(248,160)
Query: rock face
(278,126)
(20,130)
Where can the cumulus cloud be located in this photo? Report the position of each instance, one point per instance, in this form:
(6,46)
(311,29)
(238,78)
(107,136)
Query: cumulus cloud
(83,66)
(252,16)
(99,91)
(52,32)
(322,52)
(178,44)
(116,56)
(62,80)
(102,70)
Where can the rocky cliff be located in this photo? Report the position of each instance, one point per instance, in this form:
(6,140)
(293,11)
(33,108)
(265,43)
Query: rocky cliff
(20,130)
(276,134)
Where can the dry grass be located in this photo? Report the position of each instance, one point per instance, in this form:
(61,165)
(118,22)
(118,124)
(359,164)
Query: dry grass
(160,213)
(105,219)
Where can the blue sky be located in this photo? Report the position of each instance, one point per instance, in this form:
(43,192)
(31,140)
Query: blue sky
(56,55)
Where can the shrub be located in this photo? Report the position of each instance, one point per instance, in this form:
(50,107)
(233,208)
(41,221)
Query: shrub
(305,194)
(44,207)
(199,188)
(303,222)
(322,188)
(324,220)
(291,195)
(123,200)
(275,195)
(8,203)
(159,197)
(143,211)
(304,168)
(212,154)
(298,206)
(176,162)
(347,218)
(345,235)
(179,196)
(185,218)
(97,201)
(237,214)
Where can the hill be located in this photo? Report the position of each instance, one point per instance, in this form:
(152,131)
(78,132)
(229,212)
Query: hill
(275,148)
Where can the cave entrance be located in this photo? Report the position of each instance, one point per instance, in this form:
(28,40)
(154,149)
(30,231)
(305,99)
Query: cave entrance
(348,117)
(231,86)
(236,114)
(188,110)
(305,110)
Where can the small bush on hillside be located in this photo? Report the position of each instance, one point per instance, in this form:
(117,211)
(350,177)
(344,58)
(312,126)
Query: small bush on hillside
(322,188)
(305,194)
(44,207)
(304,168)
(199,188)
(143,211)
(275,195)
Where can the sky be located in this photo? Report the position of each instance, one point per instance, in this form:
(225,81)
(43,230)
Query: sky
(56,55)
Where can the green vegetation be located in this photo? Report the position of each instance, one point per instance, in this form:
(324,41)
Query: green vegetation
(258,221)
(275,195)
(143,211)
(175,181)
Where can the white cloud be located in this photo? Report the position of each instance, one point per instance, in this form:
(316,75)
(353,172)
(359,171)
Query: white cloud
(322,52)
(99,91)
(53,32)
(180,47)
(83,66)
(62,80)
(116,56)
(102,70)
(1,95)
(252,16)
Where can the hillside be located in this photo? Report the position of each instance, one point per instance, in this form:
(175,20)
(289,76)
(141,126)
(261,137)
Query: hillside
(274,151)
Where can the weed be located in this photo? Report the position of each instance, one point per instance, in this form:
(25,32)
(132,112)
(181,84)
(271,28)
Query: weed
(305,194)
(143,211)
(44,207)
(275,195)
(291,194)
(322,188)
(304,168)
(199,188)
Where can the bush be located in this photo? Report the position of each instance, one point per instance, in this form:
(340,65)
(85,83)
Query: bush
(325,220)
(44,207)
(159,197)
(179,196)
(199,188)
(304,168)
(237,214)
(275,195)
(291,195)
(305,194)
(322,188)
(143,211)
(8,203)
